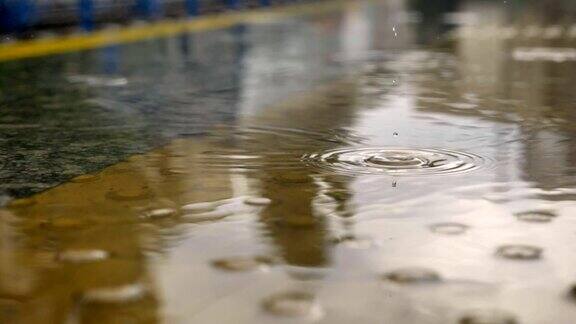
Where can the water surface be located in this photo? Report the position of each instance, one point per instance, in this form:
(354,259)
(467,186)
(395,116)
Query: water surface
(351,167)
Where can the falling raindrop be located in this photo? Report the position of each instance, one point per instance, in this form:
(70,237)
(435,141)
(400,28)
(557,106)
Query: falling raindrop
(413,275)
(519,252)
(293,304)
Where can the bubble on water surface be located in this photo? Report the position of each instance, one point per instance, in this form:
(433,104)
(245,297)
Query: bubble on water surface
(395,161)
(413,276)
(519,252)
(114,295)
(293,304)
(449,228)
(241,264)
(82,255)
(536,216)
(487,316)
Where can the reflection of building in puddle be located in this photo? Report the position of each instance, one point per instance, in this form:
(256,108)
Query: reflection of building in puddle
(528,102)
(297,227)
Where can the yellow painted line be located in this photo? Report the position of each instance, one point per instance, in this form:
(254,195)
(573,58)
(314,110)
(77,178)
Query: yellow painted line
(102,38)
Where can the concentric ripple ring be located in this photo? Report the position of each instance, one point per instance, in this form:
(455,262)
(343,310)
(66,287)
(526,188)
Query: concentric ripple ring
(395,161)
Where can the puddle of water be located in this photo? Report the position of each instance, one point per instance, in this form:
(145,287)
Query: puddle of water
(394,182)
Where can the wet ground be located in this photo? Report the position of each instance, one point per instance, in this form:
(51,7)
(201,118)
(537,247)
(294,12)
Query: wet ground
(387,163)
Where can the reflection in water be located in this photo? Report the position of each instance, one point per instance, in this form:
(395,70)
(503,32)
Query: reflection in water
(271,187)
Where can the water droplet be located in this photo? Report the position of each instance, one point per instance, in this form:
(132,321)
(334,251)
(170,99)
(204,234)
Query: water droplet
(519,252)
(257,201)
(119,294)
(536,216)
(85,178)
(413,275)
(395,134)
(395,161)
(129,196)
(293,304)
(487,316)
(242,263)
(159,213)
(449,228)
(82,256)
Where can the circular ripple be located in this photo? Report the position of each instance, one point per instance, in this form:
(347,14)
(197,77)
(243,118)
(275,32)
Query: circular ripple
(519,252)
(251,148)
(395,161)
(488,316)
(413,276)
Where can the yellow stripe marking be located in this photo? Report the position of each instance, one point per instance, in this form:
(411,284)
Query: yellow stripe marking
(41,47)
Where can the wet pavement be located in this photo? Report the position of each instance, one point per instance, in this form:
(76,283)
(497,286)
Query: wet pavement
(387,163)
